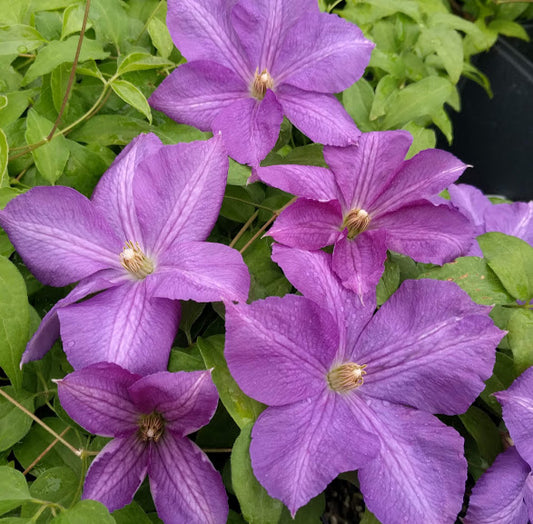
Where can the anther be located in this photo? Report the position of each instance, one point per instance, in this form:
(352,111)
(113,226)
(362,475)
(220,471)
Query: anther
(346,377)
(151,427)
(135,261)
(356,221)
(262,81)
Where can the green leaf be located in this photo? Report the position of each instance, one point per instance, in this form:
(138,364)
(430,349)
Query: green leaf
(369,518)
(389,282)
(509,28)
(13,489)
(73,20)
(110,20)
(139,61)
(132,96)
(242,409)
(417,100)
(17,102)
(448,45)
(257,506)
(423,138)
(512,260)
(520,336)
(474,276)
(4,150)
(190,313)
(502,377)
(17,39)
(57,53)
(49,158)
(160,36)
(83,512)
(185,360)
(109,130)
(131,514)
(442,121)
(357,101)
(14,423)
(386,87)
(238,174)
(234,206)
(58,85)
(484,432)
(14,320)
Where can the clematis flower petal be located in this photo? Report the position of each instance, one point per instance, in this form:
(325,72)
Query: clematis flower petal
(250,128)
(197,91)
(184,484)
(201,30)
(363,171)
(498,495)
(114,193)
(427,233)
(48,330)
(187,401)
(421,177)
(320,116)
(97,397)
(307,224)
(322,52)
(420,472)
(517,403)
(200,271)
(360,262)
(117,472)
(262,25)
(512,219)
(121,325)
(471,202)
(60,235)
(430,354)
(311,274)
(316,183)
(178,194)
(319,440)
(294,362)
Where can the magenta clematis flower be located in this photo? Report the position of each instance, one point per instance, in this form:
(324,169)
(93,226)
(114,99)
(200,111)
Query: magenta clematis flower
(504,493)
(514,219)
(149,418)
(252,61)
(141,239)
(371,200)
(347,389)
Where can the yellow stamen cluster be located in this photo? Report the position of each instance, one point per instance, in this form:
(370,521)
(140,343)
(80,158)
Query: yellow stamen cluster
(135,261)
(262,81)
(151,427)
(356,221)
(346,377)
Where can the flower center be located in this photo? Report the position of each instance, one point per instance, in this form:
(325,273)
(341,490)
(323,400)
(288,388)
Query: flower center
(346,377)
(151,427)
(262,81)
(356,221)
(135,261)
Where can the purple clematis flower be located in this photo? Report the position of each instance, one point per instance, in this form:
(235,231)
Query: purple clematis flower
(252,61)
(347,389)
(149,418)
(514,219)
(371,200)
(504,493)
(141,239)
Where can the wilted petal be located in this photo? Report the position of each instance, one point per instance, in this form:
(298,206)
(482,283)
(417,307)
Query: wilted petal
(428,346)
(427,233)
(307,224)
(97,398)
(202,30)
(517,402)
(60,234)
(187,401)
(360,262)
(178,194)
(311,274)
(263,24)
(362,171)
(319,116)
(117,472)
(200,271)
(114,194)
(498,496)
(121,325)
(514,219)
(197,91)
(423,176)
(250,127)
(279,349)
(48,330)
(322,52)
(471,202)
(316,183)
(297,450)
(420,472)
(184,484)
